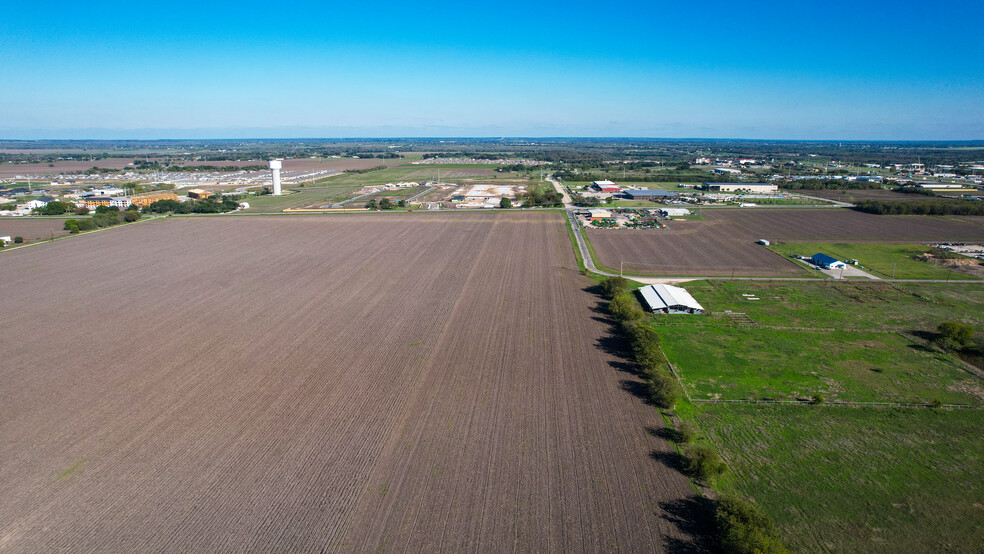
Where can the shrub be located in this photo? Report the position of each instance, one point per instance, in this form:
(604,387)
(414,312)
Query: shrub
(613,286)
(959,333)
(936,403)
(664,389)
(645,346)
(744,528)
(703,462)
(817,399)
(18,240)
(687,432)
(130,216)
(624,308)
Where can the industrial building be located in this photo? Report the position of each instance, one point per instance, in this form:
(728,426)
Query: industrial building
(648,194)
(667,299)
(826,262)
(741,187)
(605,186)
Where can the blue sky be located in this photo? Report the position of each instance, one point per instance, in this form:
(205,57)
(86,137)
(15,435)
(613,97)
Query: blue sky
(801,70)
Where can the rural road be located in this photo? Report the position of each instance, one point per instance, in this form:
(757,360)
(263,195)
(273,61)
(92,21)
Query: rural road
(560,188)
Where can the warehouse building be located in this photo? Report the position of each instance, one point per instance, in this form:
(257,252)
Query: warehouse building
(667,299)
(826,262)
(648,194)
(605,186)
(741,187)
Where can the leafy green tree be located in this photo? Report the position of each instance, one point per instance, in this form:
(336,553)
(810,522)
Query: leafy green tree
(371,204)
(386,204)
(664,389)
(81,210)
(646,347)
(106,209)
(55,207)
(505,203)
(745,529)
(613,285)
(624,308)
(956,332)
(703,462)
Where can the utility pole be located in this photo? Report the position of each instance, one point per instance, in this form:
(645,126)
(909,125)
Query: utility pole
(893,271)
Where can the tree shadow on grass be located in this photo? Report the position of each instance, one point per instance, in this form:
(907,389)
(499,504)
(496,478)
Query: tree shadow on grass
(692,517)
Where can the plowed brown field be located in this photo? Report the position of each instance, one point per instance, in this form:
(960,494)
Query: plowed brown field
(32,228)
(725,242)
(369,382)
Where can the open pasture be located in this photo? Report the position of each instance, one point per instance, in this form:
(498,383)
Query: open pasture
(405,382)
(725,241)
(857,479)
(886,260)
(852,341)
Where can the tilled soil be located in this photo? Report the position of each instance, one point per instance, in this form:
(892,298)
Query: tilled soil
(348,383)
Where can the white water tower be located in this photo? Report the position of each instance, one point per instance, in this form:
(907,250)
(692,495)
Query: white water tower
(275,169)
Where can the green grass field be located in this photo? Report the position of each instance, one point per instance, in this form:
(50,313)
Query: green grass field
(857,479)
(723,362)
(450,173)
(299,198)
(834,477)
(880,259)
(845,305)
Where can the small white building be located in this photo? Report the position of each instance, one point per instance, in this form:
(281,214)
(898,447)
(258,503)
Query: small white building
(6,239)
(674,212)
(667,299)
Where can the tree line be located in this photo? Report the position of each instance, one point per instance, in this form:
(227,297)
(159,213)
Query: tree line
(741,526)
(921,207)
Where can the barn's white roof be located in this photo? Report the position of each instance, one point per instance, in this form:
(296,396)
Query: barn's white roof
(667,296)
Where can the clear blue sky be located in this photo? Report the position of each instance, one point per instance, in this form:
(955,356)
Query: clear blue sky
(785,70)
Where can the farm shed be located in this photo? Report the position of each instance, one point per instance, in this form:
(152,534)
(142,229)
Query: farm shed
(668,299)
(646,194)
(599,213)
(826,261)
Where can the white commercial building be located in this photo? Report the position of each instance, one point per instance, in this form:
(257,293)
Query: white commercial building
(742,187)
(667,299)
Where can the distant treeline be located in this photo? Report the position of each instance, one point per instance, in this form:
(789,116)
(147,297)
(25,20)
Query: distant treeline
(662,177)
(206,206)
(369,170)
(921,207)
(829,184)
(100,220)
(215,168)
